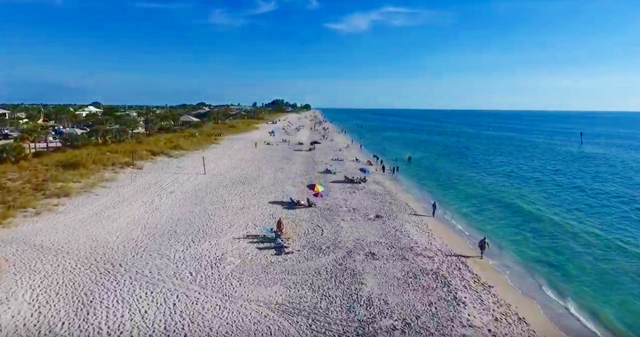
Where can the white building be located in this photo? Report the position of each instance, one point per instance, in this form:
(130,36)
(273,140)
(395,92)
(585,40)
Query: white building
(5,114)
(89,110)
(188,119)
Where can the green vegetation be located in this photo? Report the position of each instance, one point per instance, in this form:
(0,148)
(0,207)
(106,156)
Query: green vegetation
(113,140)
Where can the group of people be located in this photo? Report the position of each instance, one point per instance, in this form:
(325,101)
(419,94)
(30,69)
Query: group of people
(300,203)
(483,244)
(394,169)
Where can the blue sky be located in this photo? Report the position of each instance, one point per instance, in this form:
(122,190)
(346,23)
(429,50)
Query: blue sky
(449,54)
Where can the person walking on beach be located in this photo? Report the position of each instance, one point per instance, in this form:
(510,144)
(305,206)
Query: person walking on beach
(483,245)
(383,168)
(434,207)
(256,145)
(393,171)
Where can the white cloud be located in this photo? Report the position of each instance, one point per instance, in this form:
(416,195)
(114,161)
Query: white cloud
(308,4)
(221,17)
(263,7)
(391,16)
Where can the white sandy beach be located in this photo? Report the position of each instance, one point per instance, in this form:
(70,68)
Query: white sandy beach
(169,251)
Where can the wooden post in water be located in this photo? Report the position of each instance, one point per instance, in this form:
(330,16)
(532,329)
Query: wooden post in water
(204,166)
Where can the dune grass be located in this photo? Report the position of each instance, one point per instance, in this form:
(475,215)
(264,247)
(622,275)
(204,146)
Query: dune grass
(59,174)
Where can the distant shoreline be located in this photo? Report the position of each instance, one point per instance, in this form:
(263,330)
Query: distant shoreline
(494,110)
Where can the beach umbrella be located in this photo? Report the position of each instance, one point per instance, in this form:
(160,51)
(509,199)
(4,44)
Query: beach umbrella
(317,188)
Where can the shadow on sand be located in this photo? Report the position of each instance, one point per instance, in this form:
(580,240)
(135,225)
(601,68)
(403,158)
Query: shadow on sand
(424,215)
(325,172)
(343,182)
(287,205)
(265,240)
(463,256)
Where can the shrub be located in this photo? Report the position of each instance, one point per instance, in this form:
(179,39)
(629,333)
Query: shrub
(12,153)
(75,141)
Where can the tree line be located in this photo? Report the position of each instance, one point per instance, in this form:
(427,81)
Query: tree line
(117,123)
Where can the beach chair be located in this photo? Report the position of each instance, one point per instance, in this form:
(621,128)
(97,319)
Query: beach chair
(269,232)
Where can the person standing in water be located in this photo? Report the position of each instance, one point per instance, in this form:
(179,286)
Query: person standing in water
(409,159)
(580,138)
(434,208)
(393,171)
(483,245)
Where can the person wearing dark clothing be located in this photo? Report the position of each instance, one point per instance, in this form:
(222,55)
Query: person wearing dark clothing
(397,169)
(383,168)
(393,171)
(256,145)
(483,245)
(381,162)
(434,207)
(409,159)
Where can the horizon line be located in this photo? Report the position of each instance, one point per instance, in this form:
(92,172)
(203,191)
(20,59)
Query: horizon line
(497,110)
(365,108)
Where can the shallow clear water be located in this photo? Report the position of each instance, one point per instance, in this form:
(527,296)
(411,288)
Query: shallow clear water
(567,214)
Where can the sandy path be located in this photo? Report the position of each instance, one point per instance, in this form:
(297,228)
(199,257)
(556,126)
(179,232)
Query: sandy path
(161,251)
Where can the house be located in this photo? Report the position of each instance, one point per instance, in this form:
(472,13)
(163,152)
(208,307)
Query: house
(188,119)
(201,111)
(5,113)
(236,111)
(88,110)
(130,113)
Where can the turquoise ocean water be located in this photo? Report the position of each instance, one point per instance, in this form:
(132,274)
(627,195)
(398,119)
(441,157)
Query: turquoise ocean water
(563,219)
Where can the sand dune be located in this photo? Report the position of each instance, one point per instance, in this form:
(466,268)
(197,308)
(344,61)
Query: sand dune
(169,251)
